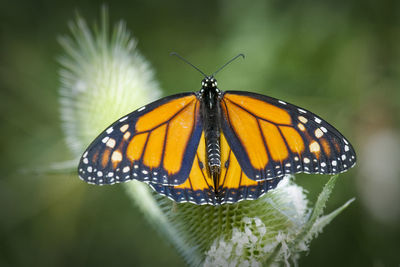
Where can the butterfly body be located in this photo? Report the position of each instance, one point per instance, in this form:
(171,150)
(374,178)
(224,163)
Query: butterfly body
(214,147)
(209,97)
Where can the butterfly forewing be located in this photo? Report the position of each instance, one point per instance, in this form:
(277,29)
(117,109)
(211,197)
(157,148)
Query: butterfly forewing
(272,138)
(156,143)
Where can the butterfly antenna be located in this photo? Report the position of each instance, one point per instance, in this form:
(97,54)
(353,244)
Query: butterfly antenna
(184,60)
(240,55)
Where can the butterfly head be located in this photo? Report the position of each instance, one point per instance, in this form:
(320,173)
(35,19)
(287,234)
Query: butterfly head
(209,83)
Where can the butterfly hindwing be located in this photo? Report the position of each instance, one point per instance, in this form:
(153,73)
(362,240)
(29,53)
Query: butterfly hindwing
(156,143)
(233,185)
(198,188)
(272,138)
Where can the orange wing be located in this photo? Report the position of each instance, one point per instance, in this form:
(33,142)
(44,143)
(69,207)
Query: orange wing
(272,138)
(157,143)
(233,185)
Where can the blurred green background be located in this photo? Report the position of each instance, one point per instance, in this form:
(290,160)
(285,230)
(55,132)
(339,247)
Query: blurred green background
(339,59)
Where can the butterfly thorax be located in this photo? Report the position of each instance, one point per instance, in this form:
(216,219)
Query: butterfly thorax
(209,96)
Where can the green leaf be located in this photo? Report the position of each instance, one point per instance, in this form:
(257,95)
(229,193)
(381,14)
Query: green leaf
(318,208)
(322,221)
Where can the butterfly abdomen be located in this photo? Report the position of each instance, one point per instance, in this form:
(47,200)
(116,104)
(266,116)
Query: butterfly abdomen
(209,97)
(214,153)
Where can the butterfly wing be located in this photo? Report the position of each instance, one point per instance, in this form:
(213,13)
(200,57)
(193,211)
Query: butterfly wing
(233,185)
(198,188)
(271,138)
(156,143)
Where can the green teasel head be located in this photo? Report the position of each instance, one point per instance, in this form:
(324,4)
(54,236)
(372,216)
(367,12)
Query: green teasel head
(103,77)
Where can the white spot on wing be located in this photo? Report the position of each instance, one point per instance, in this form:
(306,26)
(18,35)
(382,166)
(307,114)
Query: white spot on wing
(302,119)
(124,128)
(116,156)
(127,135)
(109,130)
(111,143)
(318,133)
(314,147)
(123,119)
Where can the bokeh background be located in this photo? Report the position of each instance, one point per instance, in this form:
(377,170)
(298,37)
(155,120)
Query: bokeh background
(340,59)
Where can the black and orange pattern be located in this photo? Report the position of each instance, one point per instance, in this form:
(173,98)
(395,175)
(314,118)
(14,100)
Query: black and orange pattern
(156,143)
(261,140)
(273,138)
(233,185)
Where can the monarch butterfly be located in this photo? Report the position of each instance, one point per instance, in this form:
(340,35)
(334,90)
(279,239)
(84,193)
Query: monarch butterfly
(215,147)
